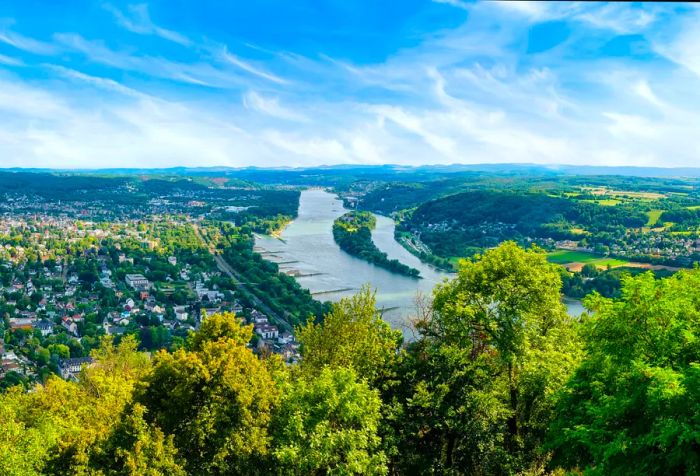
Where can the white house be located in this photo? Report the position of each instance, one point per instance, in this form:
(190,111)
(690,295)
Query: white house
(181,313)
(45,327)
(70,368)
(137,281)
(267,331)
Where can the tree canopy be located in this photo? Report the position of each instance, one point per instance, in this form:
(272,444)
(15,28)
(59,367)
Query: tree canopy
(500,381)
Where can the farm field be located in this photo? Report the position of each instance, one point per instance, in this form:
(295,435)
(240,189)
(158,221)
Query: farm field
(654,216)
(606,202)
(575,260)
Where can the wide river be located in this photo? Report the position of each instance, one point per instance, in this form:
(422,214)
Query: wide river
(307,249)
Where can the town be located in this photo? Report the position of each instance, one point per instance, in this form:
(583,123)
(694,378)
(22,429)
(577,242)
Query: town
(66,282)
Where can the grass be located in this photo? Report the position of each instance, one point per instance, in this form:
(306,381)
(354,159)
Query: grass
(654,216)
(567,256)
(605,202)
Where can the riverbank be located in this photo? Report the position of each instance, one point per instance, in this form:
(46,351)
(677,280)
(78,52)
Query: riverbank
(353,233)
(418,249)
(320,266)
(277,232)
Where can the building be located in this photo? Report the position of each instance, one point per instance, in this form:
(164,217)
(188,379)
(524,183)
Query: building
(267,331)
(258,317)
(69,324)
(45,327)
(70,368)
(181,313)
(137,281)
(9,362)
(25,323)
(285,338)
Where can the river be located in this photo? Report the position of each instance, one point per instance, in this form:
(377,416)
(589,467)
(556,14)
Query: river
(307,249)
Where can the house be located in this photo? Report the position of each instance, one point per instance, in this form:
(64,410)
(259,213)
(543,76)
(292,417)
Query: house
(290,353)
(25,323)
(285,338)
(157,309)
(69,325)
(172,260)
(211,296)
(137,281)
(122,259)
(111,330)
(70,368)
(209,310)
(181,313)
(9,362)
(258,317)
(44,326)
(267,331)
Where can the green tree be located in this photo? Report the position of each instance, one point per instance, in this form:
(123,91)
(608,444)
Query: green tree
(135,448)
(479,385)
(353,335)
(55,428)
(215,399)
(328,425)
(220,326)
(636,396)
(23,445)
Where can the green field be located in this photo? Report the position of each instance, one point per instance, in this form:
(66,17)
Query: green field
(567,256)
(605,202)
(654,216)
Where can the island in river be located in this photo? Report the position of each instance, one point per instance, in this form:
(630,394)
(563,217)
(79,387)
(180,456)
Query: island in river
(353,233)
(307,250)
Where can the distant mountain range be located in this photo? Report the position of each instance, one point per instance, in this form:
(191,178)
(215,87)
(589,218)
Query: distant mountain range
(518,169)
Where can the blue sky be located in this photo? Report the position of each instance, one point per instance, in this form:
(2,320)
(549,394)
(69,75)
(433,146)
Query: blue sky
(309,82)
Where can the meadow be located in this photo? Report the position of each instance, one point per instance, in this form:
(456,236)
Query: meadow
(565,257)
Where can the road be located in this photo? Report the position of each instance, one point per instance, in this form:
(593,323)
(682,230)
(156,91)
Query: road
(226,268)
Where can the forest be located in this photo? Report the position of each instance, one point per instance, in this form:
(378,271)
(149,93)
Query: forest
(479,219)
(353,233)
(499,380)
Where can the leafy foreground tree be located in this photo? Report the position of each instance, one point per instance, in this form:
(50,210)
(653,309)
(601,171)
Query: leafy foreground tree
(136,448)
(500,381)
(56,428)
(215,399)
(633,406)
(480,383)
(328,425)
(353,335)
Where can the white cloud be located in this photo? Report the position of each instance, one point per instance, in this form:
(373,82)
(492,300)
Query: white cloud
(272,107)
(468,94)
(25,43)
(455,3)
(8,60)
(681,45)
(248,67)
(139,21)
